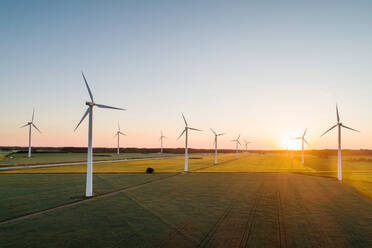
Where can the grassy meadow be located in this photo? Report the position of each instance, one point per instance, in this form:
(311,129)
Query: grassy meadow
(194,210)
(14,159)
(357,171)
(257,200)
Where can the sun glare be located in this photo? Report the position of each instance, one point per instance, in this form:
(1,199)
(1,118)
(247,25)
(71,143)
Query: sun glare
(290,144)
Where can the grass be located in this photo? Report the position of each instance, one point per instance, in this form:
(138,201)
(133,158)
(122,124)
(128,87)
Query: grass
(49,157)
(210,207)
(204,210)
(22,194)
(356,172)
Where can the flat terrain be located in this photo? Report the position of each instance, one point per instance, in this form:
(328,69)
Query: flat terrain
(257,200)
(16,159)
(356,171)
(192,210)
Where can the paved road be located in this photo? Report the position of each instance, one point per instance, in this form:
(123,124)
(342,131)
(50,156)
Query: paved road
(76,163)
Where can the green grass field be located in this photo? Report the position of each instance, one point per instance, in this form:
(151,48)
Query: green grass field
(257,200)
(355,172)
(196,210)
(46,158)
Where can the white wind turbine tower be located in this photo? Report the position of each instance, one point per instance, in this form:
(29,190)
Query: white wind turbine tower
(30,124)
(161,141)
(303,140)
(246,146)
(186,132)
(89,182)
(237,145)
(215,144)
(339,125)
(118,133)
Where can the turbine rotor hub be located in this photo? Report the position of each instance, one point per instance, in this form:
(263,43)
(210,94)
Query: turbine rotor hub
(90,104)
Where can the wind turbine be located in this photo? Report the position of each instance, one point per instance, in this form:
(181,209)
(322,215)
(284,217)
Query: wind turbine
(30,124)
(118,133)
(91,104)
(237,145)
(303,140)
(161,141)
(215,144)
(186,132)
(246,146)
(339,125)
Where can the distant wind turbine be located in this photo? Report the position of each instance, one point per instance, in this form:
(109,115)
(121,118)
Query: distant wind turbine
(339,125)
(161,141)
(118,133)
(215,144)
(89,182)
(237,145)
(30,124)
(186,132)
(303,140)
(246,146)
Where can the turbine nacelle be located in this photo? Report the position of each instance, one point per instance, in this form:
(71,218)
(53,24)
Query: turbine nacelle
(90,104)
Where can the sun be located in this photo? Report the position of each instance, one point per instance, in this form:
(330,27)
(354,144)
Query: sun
(290,144)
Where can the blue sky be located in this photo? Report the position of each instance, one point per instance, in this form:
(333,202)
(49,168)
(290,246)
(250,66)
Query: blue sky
(262,69)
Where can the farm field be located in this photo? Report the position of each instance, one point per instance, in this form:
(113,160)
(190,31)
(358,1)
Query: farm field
(198,210)
(356,171)
(49,157)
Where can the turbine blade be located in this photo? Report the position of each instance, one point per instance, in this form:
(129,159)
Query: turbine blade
(36,127)
(191,128)
(296,138)
(116,135)
(238,137)
(213,131)
(306,141)
(85,115)
(338,116)
(329,130)
(350,128)
(109,107)
(184,119)
(122,133)
(221,134)
(304,133)
(33,113)
(86,83)
(118,126)
(25,125)
(184,130)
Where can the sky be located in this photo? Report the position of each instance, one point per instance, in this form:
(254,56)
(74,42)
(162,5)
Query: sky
(263,69)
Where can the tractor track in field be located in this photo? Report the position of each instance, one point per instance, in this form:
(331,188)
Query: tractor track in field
(179,230)
(209,237)
(248,227)
(281,223)
(74,203)
(251,219)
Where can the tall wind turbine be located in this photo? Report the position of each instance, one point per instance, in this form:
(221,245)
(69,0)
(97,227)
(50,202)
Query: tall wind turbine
(91,104)
(118,133)
(215,144)
(161,141)
(186,132)
(246,146)
(237,145)
(339,125)
(30,124)
(303,140)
